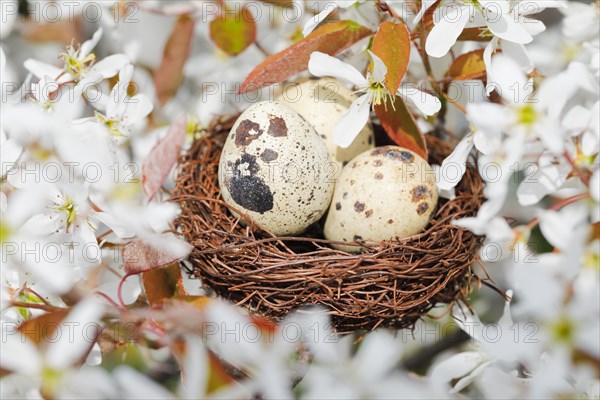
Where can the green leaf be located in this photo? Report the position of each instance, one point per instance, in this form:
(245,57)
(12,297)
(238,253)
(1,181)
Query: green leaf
(233,31)
(468,66)
(400,126)
(330,38)
(392,45)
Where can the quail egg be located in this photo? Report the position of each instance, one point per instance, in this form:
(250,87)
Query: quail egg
(274,168)
(322,102)
(383,194)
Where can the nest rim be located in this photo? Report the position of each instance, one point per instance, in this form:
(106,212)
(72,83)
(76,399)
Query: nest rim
(392,284)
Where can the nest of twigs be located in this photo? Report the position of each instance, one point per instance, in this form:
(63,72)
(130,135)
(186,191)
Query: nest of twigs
(392,285)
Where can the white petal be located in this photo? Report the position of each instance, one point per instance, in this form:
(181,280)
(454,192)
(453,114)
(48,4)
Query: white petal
(98,385)
(18,354)
(195,371)
(533,26)
(470,377)
(502,23)
(115,104)
(321,64)
(583,76)
(595,186)
(126,73)
(9,154)
(111,65)
(86,236)
(511,81)
(352,122)
(490,49)
(135,385)
(236,352)
(88,46)
(488,138)
(138,107)
(425,102)
(454,166)
(53,271)
(449,194)
(95,356)
(577,118)
(317,19)
(518,52)
(496,229)
(590,140)
(551,135)
(543,179)
(457,366)
(445,32)
(346,3)
(119,228)
(558,227)
(80,328)
(378,354)
(43,224)
(379,68)
(41,69)
(490,119)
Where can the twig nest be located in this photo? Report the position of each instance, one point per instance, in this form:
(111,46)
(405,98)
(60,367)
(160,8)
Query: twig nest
(273,170)
(383,194)
(392,284)
(322,102)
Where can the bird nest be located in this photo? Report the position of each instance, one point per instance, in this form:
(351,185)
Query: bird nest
(392,284)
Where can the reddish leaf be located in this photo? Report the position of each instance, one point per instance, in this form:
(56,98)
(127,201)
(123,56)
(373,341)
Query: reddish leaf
(169,74)
(162,158)
(232,31)
(39,329)
(401,127)
(163,283)
(329,38)
(392,45)
(140,256)
(594,232)
(468,66)
(427,20)
(475,34)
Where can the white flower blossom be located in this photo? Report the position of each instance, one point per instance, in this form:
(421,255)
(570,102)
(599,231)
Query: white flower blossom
(79,65)
(373,92)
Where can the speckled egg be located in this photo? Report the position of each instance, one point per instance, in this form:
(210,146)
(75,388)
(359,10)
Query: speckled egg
(383,194)
(274,168)
(322,102)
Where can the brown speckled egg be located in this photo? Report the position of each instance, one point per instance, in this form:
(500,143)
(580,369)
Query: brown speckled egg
(322,102)
(383,194)
(273,168)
